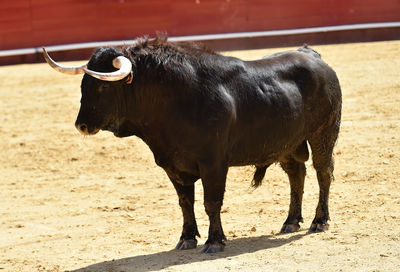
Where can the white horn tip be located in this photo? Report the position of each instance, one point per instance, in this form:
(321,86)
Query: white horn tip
(70,70)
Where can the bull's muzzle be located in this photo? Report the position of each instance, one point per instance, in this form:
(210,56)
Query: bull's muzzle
(84,129)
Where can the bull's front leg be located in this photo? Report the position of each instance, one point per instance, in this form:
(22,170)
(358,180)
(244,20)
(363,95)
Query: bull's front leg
(186,202)
(213,180)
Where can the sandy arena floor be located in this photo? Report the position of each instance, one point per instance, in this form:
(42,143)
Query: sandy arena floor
(100,203)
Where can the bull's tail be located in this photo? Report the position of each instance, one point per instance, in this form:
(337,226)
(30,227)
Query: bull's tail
(258,176)
(310,51)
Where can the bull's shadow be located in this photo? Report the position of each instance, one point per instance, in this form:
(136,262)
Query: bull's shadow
(165,259)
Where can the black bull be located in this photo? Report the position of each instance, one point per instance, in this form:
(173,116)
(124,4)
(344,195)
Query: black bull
(201,112)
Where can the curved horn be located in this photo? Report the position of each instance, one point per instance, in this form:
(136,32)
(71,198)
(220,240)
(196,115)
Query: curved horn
(70,70)
(123,64)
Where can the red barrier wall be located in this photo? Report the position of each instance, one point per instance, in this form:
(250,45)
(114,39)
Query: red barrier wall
(31,23)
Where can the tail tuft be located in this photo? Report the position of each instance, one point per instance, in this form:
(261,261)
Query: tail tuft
(258,176)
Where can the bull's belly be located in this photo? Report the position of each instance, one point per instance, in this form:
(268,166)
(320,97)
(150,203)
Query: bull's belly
(263,150)
(258,157)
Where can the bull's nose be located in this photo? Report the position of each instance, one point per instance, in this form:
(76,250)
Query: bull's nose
(82,128)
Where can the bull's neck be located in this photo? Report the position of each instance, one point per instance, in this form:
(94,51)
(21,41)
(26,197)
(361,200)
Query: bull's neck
(148,105)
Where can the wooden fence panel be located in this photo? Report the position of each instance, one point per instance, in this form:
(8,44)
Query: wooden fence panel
(33,23)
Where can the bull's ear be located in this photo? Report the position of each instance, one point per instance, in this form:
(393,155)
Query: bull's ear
(129,79)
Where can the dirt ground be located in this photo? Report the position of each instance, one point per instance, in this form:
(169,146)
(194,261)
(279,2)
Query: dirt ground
(100,203)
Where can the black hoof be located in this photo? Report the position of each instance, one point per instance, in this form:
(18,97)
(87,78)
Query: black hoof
(289,228)
(186,244)
(319,227)
(213,248)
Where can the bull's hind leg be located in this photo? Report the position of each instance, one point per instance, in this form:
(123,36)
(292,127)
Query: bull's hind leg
(322,144)
(296,171)
(186,201)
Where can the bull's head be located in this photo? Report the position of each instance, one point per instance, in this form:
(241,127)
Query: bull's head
(101,87)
